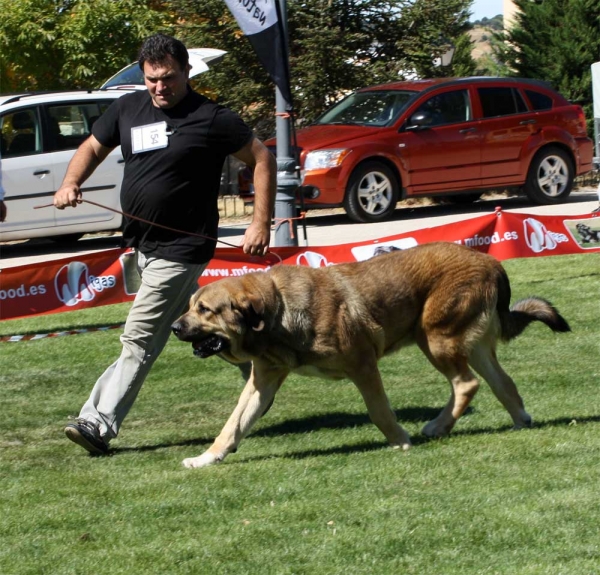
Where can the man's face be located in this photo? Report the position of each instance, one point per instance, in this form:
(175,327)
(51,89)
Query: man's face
(166,82)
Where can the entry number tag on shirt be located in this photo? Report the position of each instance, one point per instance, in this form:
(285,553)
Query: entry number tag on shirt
(149,137)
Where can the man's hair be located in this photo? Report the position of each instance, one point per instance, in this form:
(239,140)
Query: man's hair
(157,48)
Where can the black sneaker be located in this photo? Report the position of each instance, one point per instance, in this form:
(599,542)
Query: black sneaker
(87,435)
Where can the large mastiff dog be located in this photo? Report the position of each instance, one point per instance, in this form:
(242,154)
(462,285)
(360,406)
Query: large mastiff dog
(337,322)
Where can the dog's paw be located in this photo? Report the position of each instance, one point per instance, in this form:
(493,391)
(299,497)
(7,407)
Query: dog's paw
(203,460)
(525,423)
(435,429)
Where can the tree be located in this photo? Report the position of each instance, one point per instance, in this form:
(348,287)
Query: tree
(336,46)
(556,41)
(58,44)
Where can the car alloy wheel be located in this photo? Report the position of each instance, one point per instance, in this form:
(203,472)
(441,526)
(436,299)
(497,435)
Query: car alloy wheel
(550,177)
(372,193)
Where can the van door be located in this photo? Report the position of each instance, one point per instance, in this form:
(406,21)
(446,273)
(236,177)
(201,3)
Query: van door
(69,124)
(27,175)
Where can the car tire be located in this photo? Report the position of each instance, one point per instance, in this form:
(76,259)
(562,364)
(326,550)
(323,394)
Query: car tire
(550,176)
(372,193)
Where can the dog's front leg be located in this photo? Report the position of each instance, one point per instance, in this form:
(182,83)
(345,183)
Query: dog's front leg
(254,401)
(367,379)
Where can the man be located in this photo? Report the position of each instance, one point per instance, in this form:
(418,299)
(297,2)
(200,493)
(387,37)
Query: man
(174,142)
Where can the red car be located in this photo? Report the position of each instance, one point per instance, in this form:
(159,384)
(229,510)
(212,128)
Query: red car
(443,137)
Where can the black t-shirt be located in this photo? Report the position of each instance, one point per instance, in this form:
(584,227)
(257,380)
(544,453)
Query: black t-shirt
(177,185)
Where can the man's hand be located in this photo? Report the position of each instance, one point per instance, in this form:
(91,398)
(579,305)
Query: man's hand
(256,239)
(67,195)
(2,211)
(83,163)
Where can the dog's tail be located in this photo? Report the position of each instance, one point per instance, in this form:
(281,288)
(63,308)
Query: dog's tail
(523,312)
(515,319)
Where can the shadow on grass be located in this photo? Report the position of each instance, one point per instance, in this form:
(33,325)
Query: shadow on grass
(342,420)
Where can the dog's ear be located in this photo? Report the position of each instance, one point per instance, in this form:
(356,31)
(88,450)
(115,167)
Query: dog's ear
(253,309)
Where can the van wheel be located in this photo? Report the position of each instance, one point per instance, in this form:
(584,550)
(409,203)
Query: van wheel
(372,193)
(550,177)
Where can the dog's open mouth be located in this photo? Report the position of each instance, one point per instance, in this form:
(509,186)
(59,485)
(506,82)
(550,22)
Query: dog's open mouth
(210,346)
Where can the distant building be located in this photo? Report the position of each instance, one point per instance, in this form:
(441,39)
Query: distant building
(510,11)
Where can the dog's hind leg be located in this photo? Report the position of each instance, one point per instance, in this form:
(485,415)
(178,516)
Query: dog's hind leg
(455,367)
(256,398)
(484,361)
(368,380)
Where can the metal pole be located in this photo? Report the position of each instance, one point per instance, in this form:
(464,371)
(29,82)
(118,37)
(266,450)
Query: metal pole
(286,234)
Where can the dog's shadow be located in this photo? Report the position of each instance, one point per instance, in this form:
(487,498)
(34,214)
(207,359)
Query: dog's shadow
(341,420)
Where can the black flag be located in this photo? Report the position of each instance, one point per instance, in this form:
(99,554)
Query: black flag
(260,21)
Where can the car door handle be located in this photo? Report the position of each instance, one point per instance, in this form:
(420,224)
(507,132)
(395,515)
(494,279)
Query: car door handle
(41,172)
(467,130)
(525,122)
(121,161)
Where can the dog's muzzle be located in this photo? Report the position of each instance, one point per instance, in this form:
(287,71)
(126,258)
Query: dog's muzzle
(203,347)
(210,346)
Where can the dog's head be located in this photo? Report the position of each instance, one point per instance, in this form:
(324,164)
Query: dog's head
(220,318)
(583,229)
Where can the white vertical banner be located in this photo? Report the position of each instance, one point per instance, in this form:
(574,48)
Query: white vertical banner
(596,88)
(260,21)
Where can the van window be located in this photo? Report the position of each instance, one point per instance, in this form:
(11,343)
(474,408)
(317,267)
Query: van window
(20,132)
(501,102)
(70,124)
(539,101)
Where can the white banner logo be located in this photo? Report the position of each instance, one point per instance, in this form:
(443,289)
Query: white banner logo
(538,237)
(312,260)
(73,283)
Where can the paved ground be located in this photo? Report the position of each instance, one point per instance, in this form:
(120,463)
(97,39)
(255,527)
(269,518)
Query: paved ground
(330,227)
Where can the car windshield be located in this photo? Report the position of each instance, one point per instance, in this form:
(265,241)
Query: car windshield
(370,108)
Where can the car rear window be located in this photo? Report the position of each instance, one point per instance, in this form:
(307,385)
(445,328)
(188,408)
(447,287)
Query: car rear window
(501,102)
(539,101)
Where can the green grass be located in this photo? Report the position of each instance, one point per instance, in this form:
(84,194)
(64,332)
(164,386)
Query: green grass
(313,489)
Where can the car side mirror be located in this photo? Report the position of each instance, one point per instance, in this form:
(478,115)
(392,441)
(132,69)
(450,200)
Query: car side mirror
(419,121)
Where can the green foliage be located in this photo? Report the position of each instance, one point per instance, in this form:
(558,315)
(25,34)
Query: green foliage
(313,489)
(65,44)
(556,41)
(335,46)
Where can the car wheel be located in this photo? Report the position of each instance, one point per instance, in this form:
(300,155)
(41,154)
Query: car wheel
(372,193)
(462,198)
(550,177)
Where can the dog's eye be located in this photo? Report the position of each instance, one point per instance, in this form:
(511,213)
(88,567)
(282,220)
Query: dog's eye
(202,308)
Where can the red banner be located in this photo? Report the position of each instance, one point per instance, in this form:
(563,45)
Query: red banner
(110,276)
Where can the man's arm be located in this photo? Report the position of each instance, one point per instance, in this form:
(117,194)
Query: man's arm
(257,156)
(82,165)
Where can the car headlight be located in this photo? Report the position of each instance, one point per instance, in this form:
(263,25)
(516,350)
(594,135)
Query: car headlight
(322,159)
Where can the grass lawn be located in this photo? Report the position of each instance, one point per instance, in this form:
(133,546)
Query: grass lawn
(314,489)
